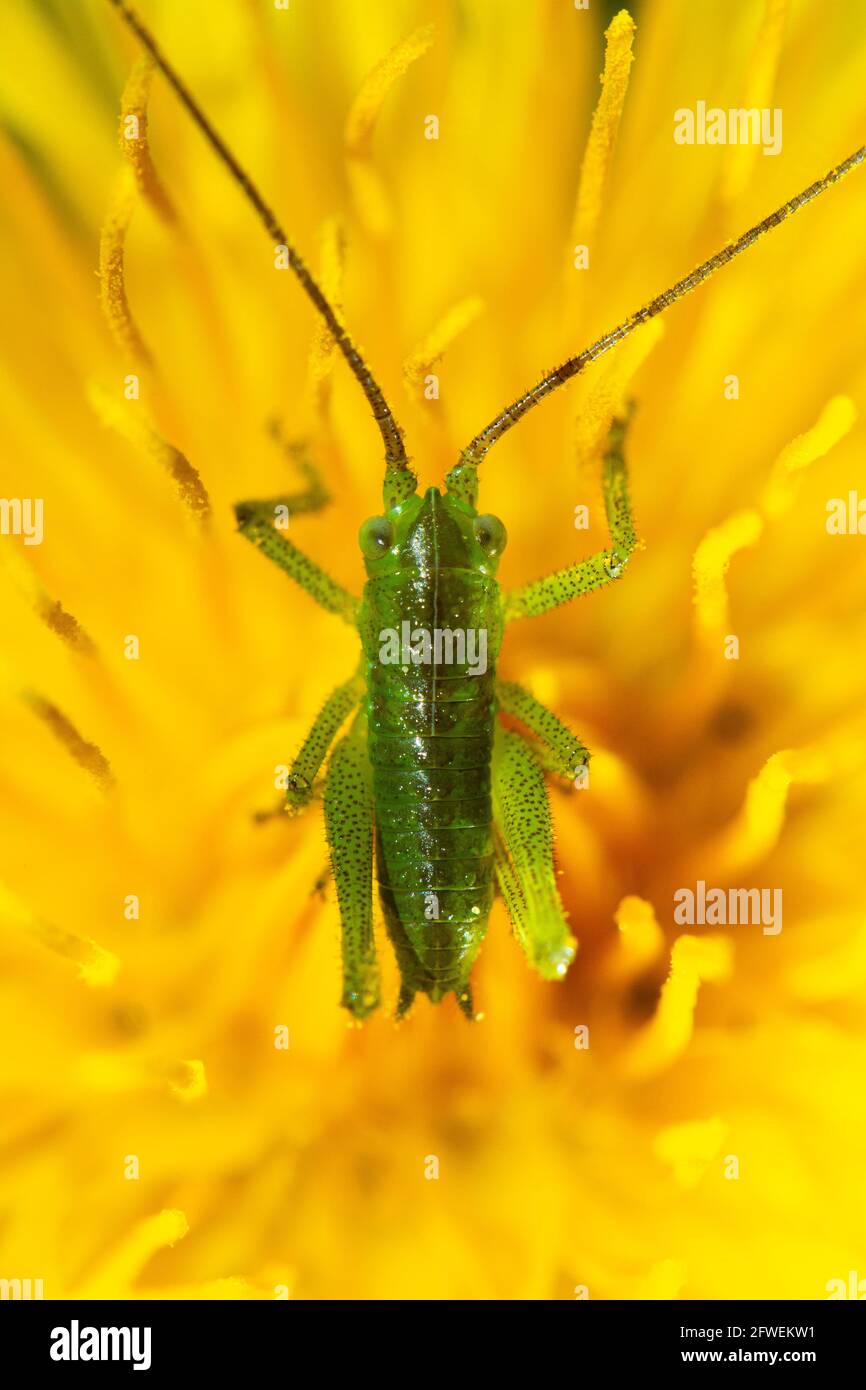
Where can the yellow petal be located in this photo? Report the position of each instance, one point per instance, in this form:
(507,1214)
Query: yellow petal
(429,351)
(710,565)
(668,1033)
(594,170)
(835,421)
(690,1147)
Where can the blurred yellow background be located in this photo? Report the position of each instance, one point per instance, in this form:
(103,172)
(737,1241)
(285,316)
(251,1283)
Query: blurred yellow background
(562,1171)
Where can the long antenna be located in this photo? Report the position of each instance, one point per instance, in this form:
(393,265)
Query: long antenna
(395,453)
(474,453)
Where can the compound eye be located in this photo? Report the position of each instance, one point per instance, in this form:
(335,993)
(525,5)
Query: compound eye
(376,536)
(490,534)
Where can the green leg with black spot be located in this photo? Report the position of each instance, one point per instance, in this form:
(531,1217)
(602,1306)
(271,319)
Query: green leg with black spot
(333,714)
(301,783)
(524,857)
(558,750)
(349,827)
(256,522)
(540,595)
(260,518)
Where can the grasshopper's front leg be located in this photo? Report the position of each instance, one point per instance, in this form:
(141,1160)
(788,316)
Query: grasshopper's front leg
(524,857)
(535,598)
(256,522)
(349,826)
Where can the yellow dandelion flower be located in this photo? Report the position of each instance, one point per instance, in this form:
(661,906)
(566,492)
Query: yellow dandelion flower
(183,1110)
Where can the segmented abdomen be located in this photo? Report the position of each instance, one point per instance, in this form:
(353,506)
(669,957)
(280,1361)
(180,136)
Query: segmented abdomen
(430,743)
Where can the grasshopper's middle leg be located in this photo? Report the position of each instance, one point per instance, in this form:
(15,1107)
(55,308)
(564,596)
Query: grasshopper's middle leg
(301,782)
(314,749)
(349,825)
(542,594)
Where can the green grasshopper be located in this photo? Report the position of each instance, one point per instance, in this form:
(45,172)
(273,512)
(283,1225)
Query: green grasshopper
(427,781)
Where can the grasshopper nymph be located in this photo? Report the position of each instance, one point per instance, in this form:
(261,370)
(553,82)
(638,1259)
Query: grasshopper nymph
(427,790)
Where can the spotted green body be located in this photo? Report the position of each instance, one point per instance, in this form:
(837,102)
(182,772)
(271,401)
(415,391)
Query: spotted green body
(430,739)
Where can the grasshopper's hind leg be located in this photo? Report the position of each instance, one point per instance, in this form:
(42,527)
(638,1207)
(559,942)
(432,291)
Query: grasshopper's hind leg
(349,826)
(523,842)
(535,598)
